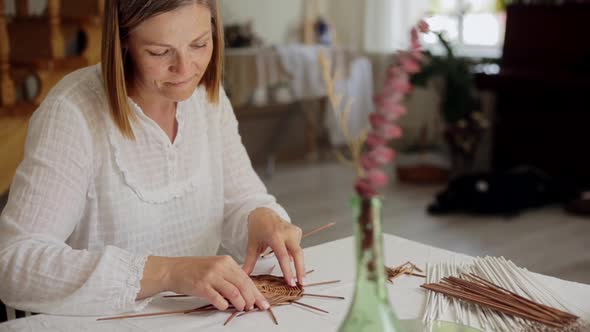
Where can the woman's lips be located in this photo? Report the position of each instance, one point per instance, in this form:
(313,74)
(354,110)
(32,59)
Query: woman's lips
(181,83)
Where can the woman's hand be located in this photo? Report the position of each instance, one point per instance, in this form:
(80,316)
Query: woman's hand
(218,279)
(267,229)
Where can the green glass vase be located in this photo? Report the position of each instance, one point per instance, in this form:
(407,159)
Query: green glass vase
(370,309)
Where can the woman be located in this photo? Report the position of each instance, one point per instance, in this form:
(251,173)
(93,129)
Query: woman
(134,173)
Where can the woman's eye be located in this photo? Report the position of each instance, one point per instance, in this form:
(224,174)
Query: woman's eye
(152,53)
(199,45)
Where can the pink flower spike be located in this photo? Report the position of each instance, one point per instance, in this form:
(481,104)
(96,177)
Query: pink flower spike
(379,100)
(415,41)
(395,70)
(364,188)
(414,34)
(377,178)
(416,45)
(388,97)
(401,86)
(392,110)
(408,63)
(395,97)
(418,55)
(377,120)
(382,155)
(423,26)
(374,140)
(367,163)
(390,131)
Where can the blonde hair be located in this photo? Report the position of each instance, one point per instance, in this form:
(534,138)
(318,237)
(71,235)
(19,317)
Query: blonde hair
(122,16)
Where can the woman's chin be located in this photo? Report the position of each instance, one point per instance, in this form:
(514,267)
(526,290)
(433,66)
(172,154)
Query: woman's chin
(179,93)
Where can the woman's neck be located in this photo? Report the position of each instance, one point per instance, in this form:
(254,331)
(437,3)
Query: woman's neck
(160,110)
(153,105)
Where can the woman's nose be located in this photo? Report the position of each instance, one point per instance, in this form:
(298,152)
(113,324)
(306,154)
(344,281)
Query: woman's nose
(181,64)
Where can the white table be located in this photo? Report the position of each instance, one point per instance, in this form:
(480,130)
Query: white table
(333,260)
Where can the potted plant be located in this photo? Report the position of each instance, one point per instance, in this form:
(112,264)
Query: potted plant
(463,123)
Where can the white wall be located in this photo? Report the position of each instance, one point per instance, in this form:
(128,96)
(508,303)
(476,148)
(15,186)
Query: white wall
(275,21)
(280,21)
(348,19)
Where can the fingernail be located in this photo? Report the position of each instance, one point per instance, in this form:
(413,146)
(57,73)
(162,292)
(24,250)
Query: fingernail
(293,282)
(265,305)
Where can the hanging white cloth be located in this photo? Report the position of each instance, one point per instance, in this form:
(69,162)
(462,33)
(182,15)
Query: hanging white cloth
(302,62)
(359,88)
(354,80)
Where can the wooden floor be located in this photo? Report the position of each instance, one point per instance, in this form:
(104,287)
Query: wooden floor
(547,240)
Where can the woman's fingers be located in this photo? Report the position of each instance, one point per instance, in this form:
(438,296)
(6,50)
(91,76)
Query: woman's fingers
(298,259)
(249,290)
(268,230)
(284,261)
(242,281)
(287,249)
(219,279)
(261,301)
(252,255)
(215,299)
(258,298)
(231,293)
(250,294)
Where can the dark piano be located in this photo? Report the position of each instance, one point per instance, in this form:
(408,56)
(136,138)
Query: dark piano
(542,113)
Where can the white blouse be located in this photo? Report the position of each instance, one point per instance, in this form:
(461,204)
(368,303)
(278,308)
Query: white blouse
(87,206)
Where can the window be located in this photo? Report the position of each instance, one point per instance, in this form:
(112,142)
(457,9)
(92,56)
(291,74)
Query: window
(474,27)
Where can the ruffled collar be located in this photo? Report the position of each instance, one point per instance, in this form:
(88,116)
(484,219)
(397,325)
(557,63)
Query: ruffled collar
(126,152)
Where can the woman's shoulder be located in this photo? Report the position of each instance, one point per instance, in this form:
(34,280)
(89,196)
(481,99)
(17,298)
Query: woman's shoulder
(73,101)
(82,85)
(80,91)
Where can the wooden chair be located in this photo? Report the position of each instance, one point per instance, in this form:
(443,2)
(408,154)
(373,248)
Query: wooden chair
(36,39)
(38,43)
(84,17)
(7,92)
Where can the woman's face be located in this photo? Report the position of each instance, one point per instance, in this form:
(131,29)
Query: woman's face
(171,51)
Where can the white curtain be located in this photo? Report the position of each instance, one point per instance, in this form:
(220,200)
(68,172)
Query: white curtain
(358,87)
(388,23)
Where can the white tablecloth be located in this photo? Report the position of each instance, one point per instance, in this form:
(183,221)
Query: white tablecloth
(333,260)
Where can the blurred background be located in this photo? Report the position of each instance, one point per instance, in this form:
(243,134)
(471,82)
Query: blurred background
(492,160)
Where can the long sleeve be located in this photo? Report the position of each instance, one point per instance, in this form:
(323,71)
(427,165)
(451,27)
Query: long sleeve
(243,189)
(39,272)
